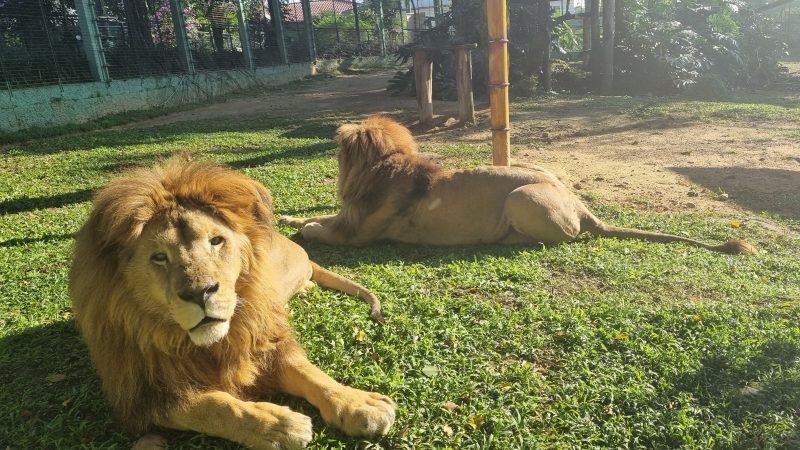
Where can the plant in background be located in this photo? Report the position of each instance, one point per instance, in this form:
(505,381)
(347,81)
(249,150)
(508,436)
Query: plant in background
(668,46)
(161,27)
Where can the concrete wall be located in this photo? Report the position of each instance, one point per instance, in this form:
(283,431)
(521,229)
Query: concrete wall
(76,103)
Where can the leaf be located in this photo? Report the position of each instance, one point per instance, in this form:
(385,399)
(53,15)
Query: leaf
(505,387)
(475,421)
(56,377)
(447,430)
(430,371)
(621,337)
(450,406)
(359,335)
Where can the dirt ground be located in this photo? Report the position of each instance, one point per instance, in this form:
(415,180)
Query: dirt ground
(662,164)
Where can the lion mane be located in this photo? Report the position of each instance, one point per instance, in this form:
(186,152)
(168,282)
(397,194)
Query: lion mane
(146,364)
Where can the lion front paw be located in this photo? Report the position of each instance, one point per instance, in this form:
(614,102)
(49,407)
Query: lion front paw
(360,413)
(290,221)
(289,431)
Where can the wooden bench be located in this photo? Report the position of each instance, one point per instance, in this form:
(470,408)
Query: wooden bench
(423,78)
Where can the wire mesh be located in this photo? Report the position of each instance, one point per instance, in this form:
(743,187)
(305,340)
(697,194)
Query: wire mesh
(294,31)
(40,44)
(344,28)
(213,31)
(262,33)
(137,37)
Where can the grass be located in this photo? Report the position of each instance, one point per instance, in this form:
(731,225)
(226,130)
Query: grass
(594,344)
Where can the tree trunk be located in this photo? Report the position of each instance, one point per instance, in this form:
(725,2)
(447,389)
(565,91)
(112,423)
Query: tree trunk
(608,47)
(138,24)
(596,54)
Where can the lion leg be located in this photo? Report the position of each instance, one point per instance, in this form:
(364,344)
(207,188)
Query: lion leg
(300,222)
(356,412)
(258,425)
(544,212)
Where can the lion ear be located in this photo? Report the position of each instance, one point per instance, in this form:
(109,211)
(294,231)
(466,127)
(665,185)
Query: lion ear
(263,210)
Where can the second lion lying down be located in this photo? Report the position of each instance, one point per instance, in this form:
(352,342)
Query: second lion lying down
(389,191)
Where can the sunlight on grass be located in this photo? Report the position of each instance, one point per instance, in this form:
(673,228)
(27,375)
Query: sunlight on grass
(598,343)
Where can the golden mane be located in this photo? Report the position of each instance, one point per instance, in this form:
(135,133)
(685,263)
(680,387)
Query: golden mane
(376,155)
(146,364)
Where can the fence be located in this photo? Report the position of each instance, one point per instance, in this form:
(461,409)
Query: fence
(46,42)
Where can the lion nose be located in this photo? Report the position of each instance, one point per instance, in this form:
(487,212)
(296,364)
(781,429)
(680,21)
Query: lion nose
(199,296)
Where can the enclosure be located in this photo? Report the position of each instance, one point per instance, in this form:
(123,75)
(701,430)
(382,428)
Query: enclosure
(596,343)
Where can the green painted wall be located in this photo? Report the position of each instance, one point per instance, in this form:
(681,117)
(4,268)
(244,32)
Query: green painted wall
(76,103)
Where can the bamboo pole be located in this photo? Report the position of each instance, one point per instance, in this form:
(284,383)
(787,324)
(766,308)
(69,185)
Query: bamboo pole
(498,81)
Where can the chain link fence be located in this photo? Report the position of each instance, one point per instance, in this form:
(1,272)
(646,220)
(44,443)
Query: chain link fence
(47,42)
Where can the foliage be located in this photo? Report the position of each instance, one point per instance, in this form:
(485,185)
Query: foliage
(670,45)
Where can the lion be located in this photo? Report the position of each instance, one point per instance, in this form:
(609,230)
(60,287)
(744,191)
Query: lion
(179,287)
(388,191)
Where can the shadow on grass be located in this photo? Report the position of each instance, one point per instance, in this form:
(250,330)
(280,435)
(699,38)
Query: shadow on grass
(45,238)
(292,128)
(761,385)
(775,191)
(392,253)
(51,396)
(24,204)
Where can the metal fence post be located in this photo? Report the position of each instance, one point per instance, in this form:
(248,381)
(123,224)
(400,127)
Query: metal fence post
(179,25)
(277,20)
(244,36)
(379,23)
(308,21)
(90,36)
(355,16)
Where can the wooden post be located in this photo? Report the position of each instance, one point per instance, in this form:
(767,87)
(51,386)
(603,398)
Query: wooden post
(308,22)
(608,47)
(423,79)
(90,36)
(244,36)
(179,25)
(277,21)
(466,104)
(498,81)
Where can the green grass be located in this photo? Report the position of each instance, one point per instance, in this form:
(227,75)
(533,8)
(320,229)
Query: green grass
(594,344)
(741,107)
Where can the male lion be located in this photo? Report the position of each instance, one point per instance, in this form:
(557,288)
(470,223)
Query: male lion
(389,192)
(179,286)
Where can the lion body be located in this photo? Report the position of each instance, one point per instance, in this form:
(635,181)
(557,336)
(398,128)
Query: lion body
(159,363)
(388,191)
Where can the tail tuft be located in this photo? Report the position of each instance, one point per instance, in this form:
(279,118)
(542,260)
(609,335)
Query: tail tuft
(735,247)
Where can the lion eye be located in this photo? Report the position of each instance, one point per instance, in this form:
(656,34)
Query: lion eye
(159,258)
(216,240)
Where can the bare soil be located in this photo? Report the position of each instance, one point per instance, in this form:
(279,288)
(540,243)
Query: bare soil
(662,164)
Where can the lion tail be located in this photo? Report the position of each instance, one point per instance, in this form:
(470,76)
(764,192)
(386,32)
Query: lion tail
(596,226)
(335,281)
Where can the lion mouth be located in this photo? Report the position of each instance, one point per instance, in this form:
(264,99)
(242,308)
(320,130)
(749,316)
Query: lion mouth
(207,320)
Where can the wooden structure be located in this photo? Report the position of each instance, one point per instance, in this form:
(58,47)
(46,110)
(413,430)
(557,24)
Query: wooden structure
(423,79)
(496,16)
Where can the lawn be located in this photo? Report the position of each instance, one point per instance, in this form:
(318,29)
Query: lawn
(598,343)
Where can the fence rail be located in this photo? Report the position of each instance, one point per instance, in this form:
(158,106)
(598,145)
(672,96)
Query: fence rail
(45,42)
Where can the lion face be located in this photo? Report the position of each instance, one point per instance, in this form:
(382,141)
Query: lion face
(187,262)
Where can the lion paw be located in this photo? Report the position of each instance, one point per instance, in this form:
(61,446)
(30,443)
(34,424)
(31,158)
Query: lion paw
(290,221)
(360,413)
(311,230)
(290,431)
